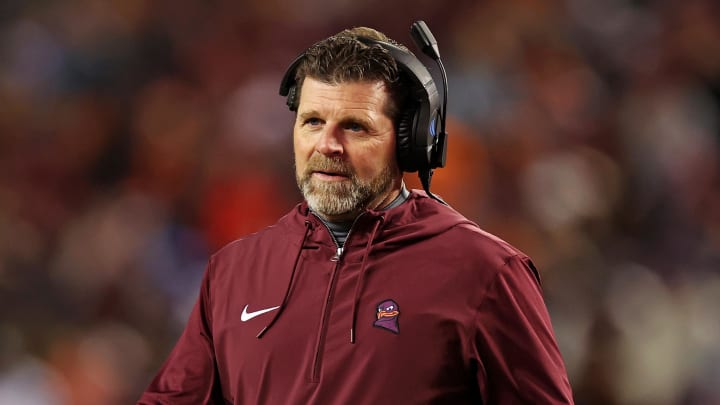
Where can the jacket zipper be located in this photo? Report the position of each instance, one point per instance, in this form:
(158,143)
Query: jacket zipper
(317,360)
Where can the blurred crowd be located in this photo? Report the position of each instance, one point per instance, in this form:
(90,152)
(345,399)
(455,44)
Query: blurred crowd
(137,137)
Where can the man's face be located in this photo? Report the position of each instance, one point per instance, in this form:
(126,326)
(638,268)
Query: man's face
(345,148)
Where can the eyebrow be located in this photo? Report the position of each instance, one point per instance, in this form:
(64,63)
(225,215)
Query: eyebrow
(348,119)
(358,120)
(308,114)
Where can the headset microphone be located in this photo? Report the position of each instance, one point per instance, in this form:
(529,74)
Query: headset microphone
(427,43)
(424,39)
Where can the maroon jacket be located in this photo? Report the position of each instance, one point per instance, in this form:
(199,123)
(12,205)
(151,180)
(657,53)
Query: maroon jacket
(421,307)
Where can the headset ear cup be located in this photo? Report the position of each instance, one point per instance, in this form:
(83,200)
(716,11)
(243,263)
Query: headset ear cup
(405,141)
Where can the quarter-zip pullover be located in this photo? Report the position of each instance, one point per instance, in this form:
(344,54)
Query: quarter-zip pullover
(420,307)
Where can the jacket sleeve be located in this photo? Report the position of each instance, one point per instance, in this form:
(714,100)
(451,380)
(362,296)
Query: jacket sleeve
(189,375)
(520,362)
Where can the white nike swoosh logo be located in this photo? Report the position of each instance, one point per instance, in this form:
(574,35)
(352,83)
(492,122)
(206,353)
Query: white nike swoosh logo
(246,316)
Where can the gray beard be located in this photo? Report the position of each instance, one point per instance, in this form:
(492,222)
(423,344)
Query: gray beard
(339,198)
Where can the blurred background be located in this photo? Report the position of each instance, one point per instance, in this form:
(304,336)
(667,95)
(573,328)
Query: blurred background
(138,137)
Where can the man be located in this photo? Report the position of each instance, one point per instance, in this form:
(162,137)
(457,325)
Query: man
(365,293)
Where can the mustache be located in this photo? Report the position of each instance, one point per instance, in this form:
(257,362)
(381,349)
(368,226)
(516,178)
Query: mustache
(320,163)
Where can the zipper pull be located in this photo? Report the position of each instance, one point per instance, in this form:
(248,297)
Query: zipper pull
(338,255)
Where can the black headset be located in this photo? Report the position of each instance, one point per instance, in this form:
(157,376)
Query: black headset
(421,135)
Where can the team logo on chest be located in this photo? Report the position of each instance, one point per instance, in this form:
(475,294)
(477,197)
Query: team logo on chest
(387,315)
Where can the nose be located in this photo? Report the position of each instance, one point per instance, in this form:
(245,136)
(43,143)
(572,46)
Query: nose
(329,143)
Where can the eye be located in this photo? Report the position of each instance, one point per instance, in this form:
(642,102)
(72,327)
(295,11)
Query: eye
(312,121)
(390,308)
(354,127)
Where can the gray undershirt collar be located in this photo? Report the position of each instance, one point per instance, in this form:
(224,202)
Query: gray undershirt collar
(340,230)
